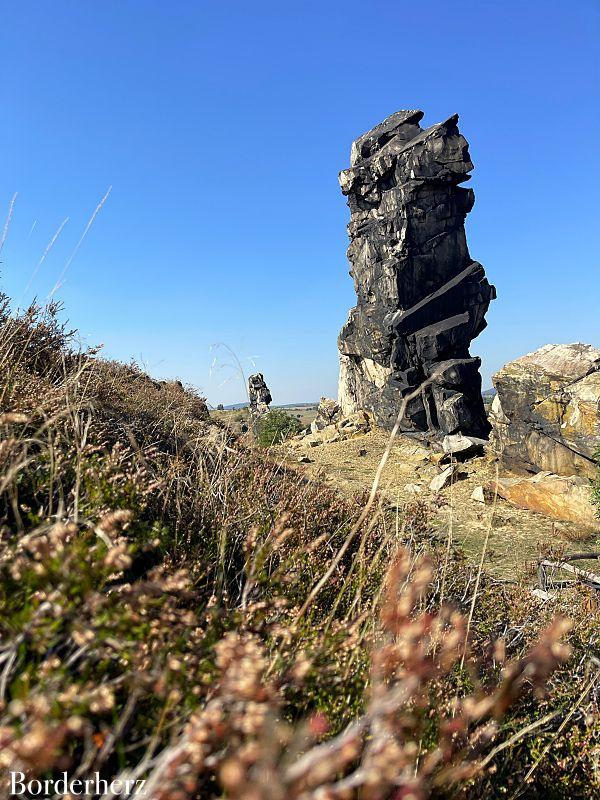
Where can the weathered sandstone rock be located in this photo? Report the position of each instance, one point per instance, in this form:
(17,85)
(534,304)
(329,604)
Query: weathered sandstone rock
(557,496)
(546,415)
(328,413)
(329,410)
(359,422)
(258,394)
(323,432)
(478,494)
(459,446)
(421,299)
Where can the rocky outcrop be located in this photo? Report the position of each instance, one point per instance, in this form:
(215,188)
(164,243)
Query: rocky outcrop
(557,496)
(421,299)
(546,414)
(328,413)
(258,394)
(336,429)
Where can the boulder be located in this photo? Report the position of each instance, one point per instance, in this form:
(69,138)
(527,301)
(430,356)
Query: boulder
(546,413)
(317,425)
(358,422)
(421,298)
(460,446)
(331,434)
(329,411)
(557,496)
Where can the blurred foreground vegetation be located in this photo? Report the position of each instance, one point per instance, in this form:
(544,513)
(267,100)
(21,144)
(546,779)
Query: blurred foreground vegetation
(178,607)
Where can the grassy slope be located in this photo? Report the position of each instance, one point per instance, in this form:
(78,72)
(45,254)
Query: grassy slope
(170,595)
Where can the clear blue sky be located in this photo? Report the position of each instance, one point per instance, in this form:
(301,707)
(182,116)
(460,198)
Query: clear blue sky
(221,127)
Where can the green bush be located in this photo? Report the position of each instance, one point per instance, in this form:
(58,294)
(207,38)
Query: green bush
(275,427)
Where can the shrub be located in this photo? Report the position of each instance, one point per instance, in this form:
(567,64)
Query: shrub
(275,427)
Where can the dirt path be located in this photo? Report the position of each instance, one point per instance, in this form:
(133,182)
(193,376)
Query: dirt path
(516,534)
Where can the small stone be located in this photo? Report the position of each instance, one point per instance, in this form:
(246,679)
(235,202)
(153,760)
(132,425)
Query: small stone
(441,480)
(314,442)
(362,452)
(542,595)
(412,488)
(305,460)
(435,458)
(478,494)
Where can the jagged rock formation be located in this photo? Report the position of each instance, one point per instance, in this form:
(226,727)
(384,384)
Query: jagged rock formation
(258,394)
(421,298)
(546,414)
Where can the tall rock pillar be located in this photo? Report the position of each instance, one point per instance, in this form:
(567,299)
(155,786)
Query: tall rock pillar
(421,298)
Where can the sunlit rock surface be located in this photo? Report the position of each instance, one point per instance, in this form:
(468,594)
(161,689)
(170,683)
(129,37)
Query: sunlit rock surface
(546,414)
(557,496)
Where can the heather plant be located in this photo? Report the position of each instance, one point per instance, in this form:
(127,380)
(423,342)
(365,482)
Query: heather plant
(239,735)
(178,607)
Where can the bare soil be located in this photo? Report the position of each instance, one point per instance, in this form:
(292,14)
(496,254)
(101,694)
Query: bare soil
(517,536)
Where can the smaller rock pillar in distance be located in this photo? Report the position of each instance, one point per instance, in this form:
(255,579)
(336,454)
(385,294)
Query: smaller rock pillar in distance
(259,395)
